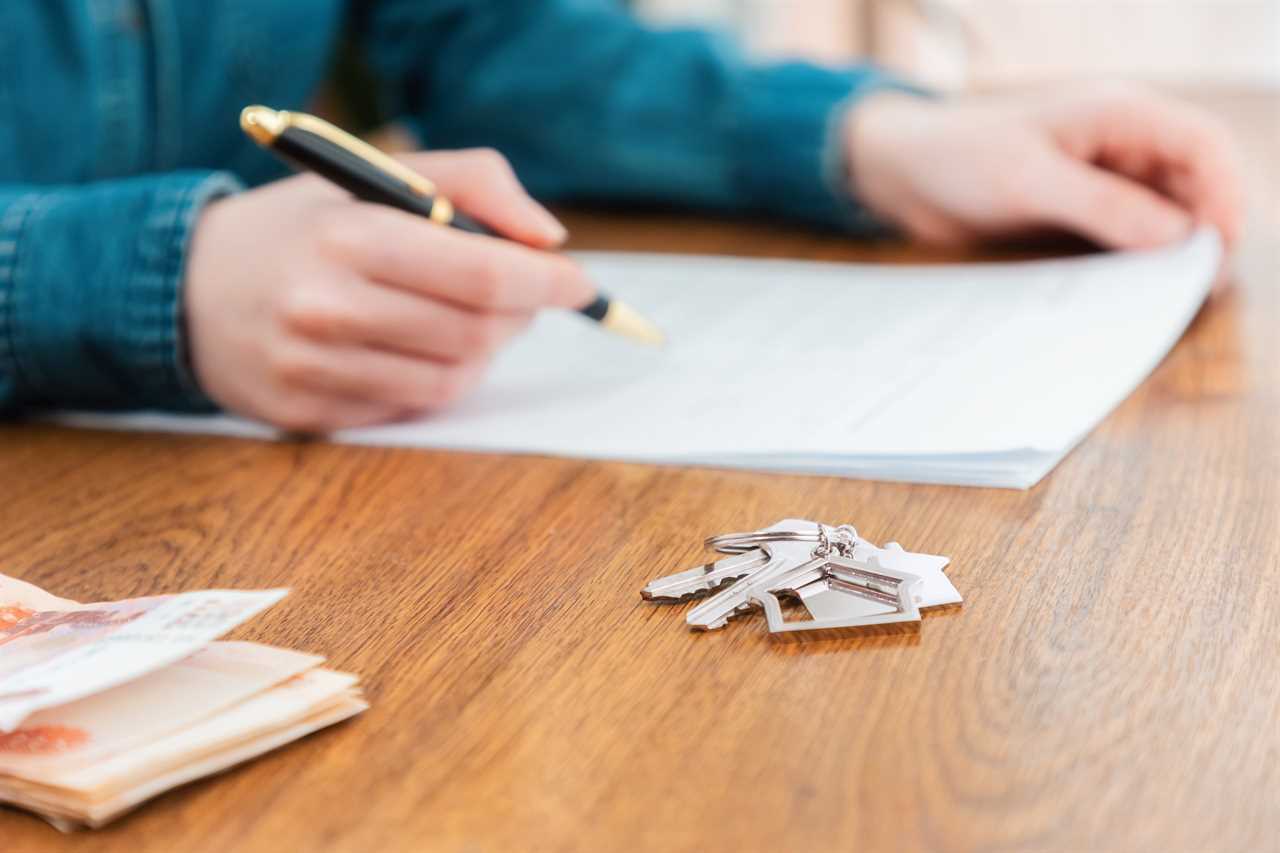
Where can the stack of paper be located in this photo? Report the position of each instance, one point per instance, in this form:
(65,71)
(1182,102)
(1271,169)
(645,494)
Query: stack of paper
(979,374)
(103,706)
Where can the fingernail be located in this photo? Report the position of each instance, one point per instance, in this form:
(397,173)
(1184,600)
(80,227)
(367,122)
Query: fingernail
(553,229)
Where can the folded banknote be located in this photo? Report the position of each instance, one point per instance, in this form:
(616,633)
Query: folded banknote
(103,706)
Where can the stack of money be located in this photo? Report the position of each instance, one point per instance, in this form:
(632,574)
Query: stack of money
(103,706)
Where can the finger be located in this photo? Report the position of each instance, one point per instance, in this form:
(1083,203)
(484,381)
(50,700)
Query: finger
(1204,162)
(1106,208)
(1176,140)
(469,270)
(934,228)
(309,413)
(388,379)
(350,414)
(481,182)
(1137,165)
(370,315)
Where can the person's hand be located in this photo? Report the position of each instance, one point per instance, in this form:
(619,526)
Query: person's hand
(1121,166)
(314,312)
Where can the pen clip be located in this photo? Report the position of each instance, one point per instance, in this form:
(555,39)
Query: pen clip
(265,125)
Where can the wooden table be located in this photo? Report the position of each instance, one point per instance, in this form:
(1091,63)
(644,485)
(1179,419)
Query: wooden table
(1110,683)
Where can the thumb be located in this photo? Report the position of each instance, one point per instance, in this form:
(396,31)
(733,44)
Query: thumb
(481,183)
(1110,210)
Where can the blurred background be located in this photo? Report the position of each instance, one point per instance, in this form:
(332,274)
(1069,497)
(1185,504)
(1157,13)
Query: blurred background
(957,44)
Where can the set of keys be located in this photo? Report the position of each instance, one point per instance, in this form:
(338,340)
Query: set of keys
(843,580)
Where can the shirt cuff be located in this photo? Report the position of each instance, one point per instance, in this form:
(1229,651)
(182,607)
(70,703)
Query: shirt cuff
(91,293)
(790,151)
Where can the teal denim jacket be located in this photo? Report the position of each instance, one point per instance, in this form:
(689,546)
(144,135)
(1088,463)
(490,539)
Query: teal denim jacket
(118,122)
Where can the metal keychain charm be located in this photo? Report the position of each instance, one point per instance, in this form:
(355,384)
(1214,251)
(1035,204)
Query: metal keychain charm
(842,582)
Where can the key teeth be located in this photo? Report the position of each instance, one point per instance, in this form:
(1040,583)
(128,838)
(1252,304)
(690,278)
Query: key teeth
(741,610)
(672,599)
(702,592)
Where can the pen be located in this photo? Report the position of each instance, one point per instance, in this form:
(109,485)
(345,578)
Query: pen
(313,144)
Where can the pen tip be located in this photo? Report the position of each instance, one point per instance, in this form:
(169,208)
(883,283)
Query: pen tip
(624,320)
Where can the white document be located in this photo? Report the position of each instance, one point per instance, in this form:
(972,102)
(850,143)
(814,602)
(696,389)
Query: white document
(978,374)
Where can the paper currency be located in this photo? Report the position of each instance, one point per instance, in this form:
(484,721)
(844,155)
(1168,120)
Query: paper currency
(106,705)
(56,741)
(51,657)
(96,794)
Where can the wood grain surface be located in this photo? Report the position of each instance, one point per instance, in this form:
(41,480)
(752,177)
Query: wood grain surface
(1110,683)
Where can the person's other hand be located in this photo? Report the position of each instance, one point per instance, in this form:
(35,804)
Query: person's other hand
(1121,166)
(313,311)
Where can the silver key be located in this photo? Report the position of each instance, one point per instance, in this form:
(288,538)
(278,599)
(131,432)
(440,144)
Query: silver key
(706,578)
(865,579)
(786,567)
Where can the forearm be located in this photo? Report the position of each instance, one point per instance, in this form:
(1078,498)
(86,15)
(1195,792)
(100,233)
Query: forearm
(587,102)
(90,292)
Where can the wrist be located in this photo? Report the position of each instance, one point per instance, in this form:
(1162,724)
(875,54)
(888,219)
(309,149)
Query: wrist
(206,255)
(874,129)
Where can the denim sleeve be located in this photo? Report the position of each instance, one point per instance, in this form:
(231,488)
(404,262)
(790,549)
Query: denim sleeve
(90,292)
(586,102)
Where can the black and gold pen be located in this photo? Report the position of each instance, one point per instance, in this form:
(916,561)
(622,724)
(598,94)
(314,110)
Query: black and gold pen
(313,144)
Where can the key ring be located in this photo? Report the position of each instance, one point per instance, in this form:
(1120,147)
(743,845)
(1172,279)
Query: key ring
(738,542)
(823,548)
(846,540)
(843,539)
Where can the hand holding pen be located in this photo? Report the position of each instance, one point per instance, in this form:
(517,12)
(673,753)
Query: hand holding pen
(314,311)
(311,144)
